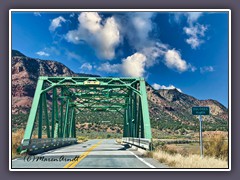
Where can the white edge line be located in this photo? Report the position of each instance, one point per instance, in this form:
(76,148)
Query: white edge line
(141,159)
(120,10)
(229,91)
(10,89)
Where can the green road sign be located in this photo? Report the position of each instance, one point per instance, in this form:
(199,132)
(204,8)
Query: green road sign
(200,110)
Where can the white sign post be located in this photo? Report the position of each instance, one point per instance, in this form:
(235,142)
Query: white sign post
(200,111)
(200,135)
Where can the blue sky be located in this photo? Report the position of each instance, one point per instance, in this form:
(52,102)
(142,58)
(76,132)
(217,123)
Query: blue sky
(184,50)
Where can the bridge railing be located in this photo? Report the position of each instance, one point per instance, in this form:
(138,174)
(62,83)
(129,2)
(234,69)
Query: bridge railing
(40,145)
(139,142)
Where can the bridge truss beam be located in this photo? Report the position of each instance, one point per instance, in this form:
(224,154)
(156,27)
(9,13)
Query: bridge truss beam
(57,99)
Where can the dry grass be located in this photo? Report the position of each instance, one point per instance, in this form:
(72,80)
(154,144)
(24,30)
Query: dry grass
(119,141)
(16,142)
(187,155)
(191,161)
(217,146)
(81,139)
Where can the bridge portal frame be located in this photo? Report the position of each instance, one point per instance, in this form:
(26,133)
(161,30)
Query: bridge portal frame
(70,94)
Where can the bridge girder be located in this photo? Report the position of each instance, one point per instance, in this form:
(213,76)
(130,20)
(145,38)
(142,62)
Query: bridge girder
(61,97)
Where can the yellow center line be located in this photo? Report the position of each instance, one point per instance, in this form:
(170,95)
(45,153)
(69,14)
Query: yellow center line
(72,163)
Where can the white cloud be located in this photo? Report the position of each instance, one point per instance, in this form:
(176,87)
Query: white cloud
(194,42)
(52,50)
(86,66)
(42,53)
(195,33)
(194,30)
(198,29)
(192,68)
(193,16)
(134,65)
(206,69)
(104,36)
(153,53)
(37,14)
(72,15)
(141,25)
(173,60)
(158,86)
(55,23)
(139,38)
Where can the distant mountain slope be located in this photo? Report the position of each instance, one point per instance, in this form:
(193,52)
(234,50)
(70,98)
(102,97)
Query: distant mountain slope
(169,109)
(17,53)
(25,73)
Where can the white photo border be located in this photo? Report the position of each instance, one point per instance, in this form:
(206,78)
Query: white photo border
(122,10)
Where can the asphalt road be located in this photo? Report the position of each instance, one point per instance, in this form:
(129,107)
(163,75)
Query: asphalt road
(99,153)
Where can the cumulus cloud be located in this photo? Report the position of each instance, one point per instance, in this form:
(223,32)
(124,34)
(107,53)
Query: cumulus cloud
(134,65)
(153,53)
(86,66)
(141,25)
(158,86)
(55,23)
(42,53)
(206,69)
(195,33)
(173,60)
(104,36)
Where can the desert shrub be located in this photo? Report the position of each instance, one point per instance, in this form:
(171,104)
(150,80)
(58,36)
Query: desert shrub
(217,147)
(108,136)
(158,144)
(81,139)
(16,141)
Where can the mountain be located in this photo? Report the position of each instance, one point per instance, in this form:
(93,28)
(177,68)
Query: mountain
(17,53)
(169,108)
(25,73)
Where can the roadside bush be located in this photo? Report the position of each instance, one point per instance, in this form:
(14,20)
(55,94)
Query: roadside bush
(81,139)
(16,141)
(217,147)
(108,136)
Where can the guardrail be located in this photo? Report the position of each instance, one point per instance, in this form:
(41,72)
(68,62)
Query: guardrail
(41,145)
(139,142)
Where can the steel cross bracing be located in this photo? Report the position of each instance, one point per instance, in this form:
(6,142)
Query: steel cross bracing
(57,101)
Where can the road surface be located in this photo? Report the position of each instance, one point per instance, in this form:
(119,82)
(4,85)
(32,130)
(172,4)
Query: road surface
(98,153)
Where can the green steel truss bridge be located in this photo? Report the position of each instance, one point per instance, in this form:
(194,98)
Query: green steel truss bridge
(58,100)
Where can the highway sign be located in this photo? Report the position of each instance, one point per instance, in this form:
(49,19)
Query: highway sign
(200,110)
